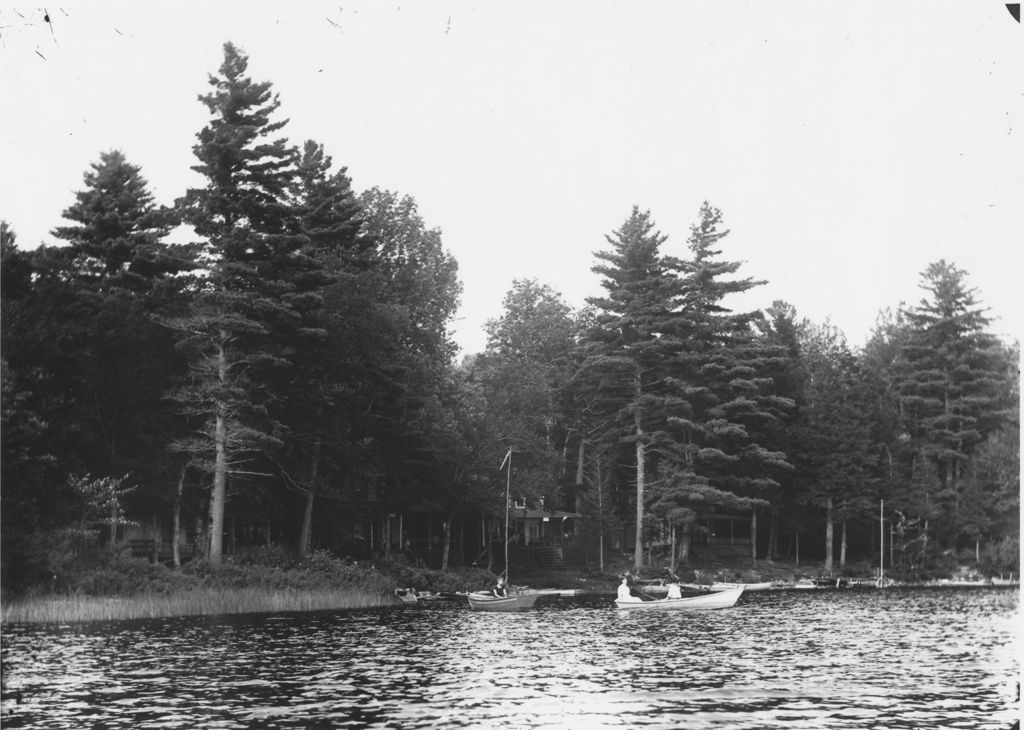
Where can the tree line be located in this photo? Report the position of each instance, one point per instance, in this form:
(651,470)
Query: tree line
(290,375)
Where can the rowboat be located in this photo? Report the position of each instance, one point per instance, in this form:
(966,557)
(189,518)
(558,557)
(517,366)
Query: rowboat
(411,595)
(720,599)
(514,602)
(721,586)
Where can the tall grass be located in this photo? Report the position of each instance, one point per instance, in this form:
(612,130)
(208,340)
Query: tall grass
(196,602)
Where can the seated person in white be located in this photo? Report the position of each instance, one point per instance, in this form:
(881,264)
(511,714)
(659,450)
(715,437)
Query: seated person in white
(624,592)
(673,591)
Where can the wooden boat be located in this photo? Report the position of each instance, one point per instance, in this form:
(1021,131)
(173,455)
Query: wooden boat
(518,599)
(514,602)
(720,599)
(411,595)
(748,587)
(407,595)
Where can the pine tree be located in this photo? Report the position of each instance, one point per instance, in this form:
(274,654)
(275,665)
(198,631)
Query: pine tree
(117,239)
(85,336)
(326,385)
(723,404)
(948,378)
(635,331)
(835,453)
(258,282)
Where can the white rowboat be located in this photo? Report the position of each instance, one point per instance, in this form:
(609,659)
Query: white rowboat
(721,599)
(718,586)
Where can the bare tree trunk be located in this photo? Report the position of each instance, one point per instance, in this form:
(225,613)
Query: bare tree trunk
(638,544)
(829,536)
(842,547)
(600,513)
(580,460)
(684,545)
(641,467)
(113,526)
(306,533)
(672,548)
(446,550)
(202,529)
(753,538)
(490,551)
(176,519)
(155,557)
(773,535)
(220,469)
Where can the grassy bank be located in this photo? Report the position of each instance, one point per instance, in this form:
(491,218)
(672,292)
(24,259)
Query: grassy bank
(264,581)
(196,602)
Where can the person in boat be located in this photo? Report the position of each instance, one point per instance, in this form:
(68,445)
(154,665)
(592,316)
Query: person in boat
(634,588)
(625,591)
(499,590)
(674,591)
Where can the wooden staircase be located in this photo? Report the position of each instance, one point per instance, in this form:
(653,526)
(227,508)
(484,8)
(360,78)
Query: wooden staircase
(550,557)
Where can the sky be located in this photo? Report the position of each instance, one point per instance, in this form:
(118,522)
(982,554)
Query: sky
(848,145)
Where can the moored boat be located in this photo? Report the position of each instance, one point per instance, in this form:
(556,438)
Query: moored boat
(411,595)
(720,599)
(481,601)
(516,599)
(748,587)
(806,585)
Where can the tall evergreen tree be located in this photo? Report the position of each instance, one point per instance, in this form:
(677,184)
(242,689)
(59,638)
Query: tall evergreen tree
(724,403)
(259,281)
(948,378)
(84,342)
(326,386)
(635,331)
(118,231)
(836,449)
(782,329)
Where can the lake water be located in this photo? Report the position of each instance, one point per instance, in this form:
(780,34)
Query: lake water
(899,658)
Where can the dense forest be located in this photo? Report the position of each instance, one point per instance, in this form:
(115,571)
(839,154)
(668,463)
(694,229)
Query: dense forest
(288,377)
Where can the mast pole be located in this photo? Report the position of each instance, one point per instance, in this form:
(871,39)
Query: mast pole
(508,484)
(881,542)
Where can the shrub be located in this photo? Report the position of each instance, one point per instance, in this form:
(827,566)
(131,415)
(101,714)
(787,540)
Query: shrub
(439,581)
(130,576)
(263,556)
(1002,556)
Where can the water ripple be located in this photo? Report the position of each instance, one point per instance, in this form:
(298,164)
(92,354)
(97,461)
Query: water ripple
(885,659)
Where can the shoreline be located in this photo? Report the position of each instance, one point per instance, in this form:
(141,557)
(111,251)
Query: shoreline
(377,589)
(76,608)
